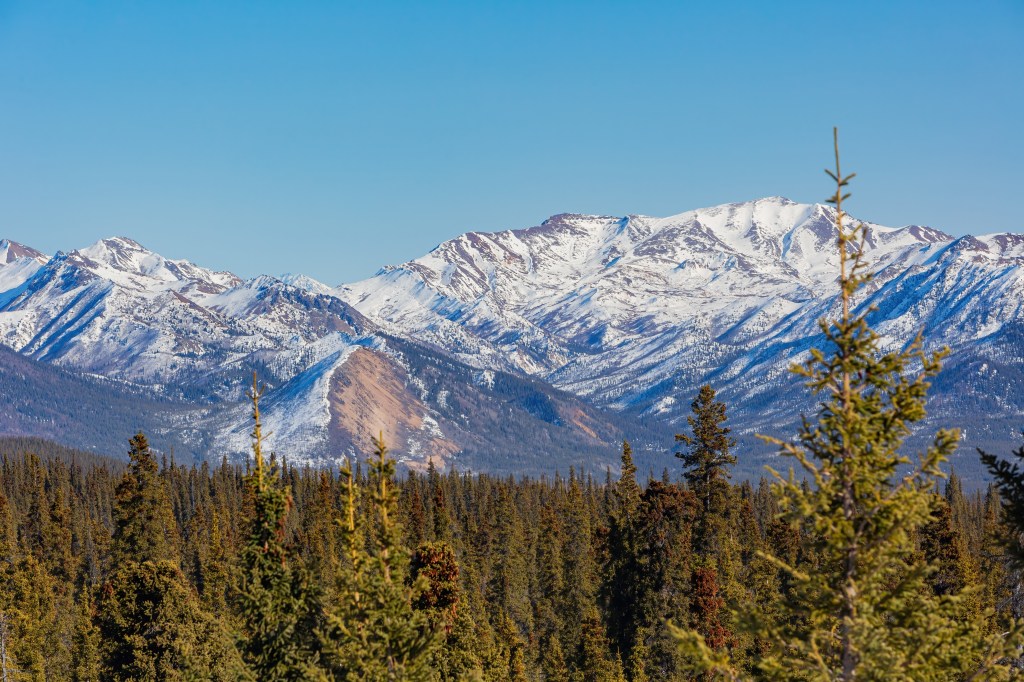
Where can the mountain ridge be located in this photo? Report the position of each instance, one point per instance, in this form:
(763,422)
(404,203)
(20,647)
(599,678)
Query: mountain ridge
(194,335)
(628,314)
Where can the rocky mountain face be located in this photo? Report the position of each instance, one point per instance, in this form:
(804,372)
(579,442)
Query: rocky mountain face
(17,264)
(529,350)
(12,251)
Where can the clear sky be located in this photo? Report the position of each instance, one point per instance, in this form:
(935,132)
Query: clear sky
(332,138)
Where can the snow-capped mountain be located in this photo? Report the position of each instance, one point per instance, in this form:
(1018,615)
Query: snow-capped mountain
(531,349)
(17,264)
(94,310)
(305,282)
(193,336)
(12,251)
(637,312)
(608,307)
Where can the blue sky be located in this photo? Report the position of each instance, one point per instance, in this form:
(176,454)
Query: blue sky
(335,137)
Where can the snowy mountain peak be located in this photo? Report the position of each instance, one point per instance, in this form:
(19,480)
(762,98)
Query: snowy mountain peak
(305,282)
(772,238)
(260,282)
(18,264)
(127,263)
(11,251)
(121,253)
(578,219)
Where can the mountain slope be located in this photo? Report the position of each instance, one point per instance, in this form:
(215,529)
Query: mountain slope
(637,312)
(194,336)
(18,263)
(11,251)
(596,303)
(37,399)
(525,350)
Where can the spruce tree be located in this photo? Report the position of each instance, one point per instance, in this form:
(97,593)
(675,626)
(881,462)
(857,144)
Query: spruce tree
(373,630)
(707,462)
(865,611)
(320,536)
(550,588)
(593,661)
(435,563)
(619,586)
(48,567)
(434,566)
(149,620)
(277,604)
(636,668)
(510,579)
(1001,580)
(579,603)
(85,647)
(707,606)
(144,527)
(152,627)
(25,599)
(944,547)
(1008,476)
(663,573)
(707,457)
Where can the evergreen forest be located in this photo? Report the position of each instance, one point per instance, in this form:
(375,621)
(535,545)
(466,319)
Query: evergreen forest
(155,571)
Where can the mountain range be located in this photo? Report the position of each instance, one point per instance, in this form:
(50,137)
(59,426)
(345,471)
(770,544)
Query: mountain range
(522,351)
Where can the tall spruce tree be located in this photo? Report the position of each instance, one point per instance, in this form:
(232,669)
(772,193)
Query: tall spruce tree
(148,618)
(1003,588)
(373,630)
(277,604)
(510,580)
(550,587)
(944,547)
(144,527)
(663,574)
(25,598)
(707,457)
(619,586)
(443,602)
(707,462)
(865,611)
(579,602)
(152,627)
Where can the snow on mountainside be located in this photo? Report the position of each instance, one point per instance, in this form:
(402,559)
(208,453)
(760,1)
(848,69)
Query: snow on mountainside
(525,350)
(117,310)
(17,264)
(128,264)
(636,312)
(193,336)
(11,251)
(550,300)
(305,282)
